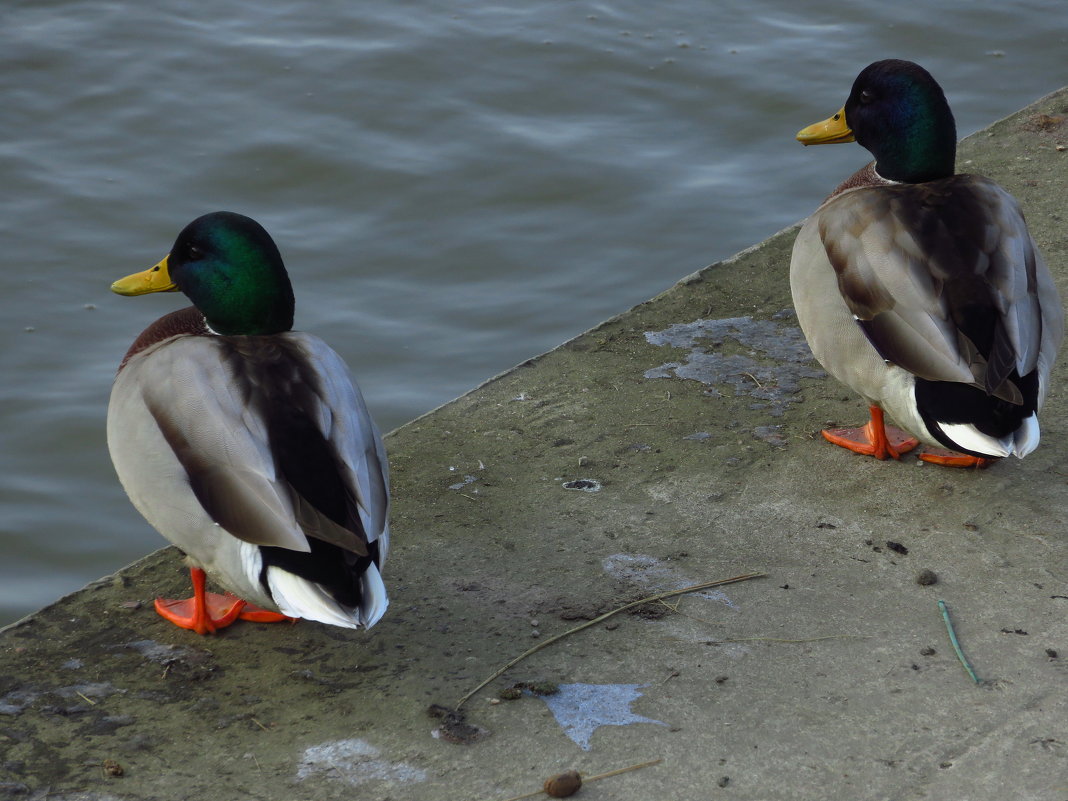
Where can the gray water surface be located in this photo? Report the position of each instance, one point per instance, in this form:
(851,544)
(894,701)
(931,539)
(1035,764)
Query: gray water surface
(455,187)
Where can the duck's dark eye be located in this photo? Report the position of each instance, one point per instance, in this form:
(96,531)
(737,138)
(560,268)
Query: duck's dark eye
(193,252)
(866,96)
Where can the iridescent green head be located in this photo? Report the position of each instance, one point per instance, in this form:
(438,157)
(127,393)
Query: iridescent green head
(230,268)
(899,112)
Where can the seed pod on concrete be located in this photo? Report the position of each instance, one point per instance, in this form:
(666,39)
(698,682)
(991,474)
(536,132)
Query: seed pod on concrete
(563,784)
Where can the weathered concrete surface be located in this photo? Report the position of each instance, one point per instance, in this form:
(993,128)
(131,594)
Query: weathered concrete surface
(753,705)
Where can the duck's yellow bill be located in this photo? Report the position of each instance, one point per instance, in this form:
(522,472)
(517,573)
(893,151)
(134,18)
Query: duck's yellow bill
(154,279)
(831,131)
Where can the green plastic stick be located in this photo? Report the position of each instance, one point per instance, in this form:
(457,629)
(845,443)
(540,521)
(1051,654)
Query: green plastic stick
(956,645)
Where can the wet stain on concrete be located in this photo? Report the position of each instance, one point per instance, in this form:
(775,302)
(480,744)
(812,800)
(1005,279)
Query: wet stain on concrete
(763,359)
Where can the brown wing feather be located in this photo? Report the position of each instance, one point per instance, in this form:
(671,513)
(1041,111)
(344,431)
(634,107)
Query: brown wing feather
(942,278)
(241,501)
(232,409)
(279,387)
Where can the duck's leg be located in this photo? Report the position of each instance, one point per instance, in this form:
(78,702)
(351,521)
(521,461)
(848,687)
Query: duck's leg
(948,458)
(205,612)
(874,439)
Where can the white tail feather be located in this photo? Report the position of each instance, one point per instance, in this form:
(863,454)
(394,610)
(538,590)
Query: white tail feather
(374,602)
(969,438)
(299,597)
(1026,437)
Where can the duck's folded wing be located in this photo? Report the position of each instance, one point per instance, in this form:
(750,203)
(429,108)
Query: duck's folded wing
(345,422)
(187,387)
(944,279)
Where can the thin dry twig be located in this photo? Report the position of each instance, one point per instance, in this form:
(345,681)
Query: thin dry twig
(627,769)
(675,608)
(651,599)
(780,639)
(754,379)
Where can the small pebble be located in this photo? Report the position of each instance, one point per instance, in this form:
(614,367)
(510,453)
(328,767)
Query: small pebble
(925,578)
(113,768)
(1051,653)
(535,633)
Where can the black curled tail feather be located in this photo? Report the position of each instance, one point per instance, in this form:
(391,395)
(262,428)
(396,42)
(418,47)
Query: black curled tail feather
(952,403)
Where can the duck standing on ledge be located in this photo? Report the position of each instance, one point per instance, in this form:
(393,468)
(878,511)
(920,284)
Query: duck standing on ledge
(921,289)
(247,444)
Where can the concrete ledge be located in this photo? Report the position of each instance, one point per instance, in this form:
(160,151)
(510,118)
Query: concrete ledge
(831,678)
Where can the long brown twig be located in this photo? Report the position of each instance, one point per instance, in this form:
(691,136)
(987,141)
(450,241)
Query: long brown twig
(651,599)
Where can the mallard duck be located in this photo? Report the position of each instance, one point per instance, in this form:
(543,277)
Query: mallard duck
(922,289)
(247,444)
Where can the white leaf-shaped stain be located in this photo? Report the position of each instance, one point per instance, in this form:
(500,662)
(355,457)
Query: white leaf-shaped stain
(581,709)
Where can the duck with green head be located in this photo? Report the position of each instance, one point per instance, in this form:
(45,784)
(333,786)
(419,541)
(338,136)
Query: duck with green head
(922,289)
(247,444)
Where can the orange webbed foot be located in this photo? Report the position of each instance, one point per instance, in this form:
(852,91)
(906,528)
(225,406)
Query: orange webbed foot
(204,615)
(257,614)
(207,612)
(948,458)
(873,439)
